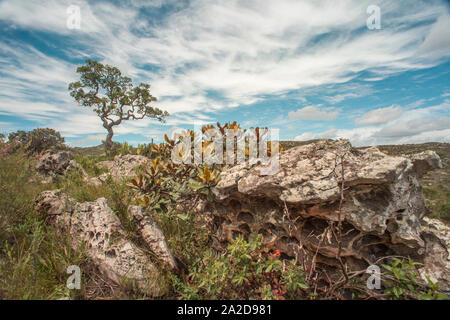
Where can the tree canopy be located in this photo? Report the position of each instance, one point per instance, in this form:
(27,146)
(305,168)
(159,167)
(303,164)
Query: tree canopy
(113,96)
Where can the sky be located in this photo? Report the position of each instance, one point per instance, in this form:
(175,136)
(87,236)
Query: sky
(312,69)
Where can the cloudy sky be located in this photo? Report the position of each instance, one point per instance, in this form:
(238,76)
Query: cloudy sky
(310,68)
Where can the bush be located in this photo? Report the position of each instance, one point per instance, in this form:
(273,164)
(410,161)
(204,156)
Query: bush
(37,141)
(247,270)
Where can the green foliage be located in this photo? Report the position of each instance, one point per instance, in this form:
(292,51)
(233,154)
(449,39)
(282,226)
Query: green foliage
(37,140)
(401,282)
(162,183)
(247,270)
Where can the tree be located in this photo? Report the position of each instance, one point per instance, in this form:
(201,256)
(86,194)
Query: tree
(113,96)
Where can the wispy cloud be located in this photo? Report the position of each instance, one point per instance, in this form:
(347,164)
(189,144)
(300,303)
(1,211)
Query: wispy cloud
(380,116)
(314,113)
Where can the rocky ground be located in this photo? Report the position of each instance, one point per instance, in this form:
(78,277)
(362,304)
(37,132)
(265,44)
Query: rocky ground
(331,208)
(328,206)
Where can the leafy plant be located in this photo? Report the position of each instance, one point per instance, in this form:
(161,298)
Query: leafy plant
(402,282)
(247,270)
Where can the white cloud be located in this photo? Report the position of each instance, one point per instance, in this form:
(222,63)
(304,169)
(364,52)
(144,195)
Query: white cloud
(437,42)
(380,116)
(414,126)
(242,50)
(314,113)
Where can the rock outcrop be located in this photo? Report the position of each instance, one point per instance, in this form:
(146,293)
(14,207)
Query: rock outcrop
(55,163)
(437,252)
(96,228)
(297,208)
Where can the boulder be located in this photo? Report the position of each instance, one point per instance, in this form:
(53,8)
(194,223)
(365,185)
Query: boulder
(297,208)
(152,235)
(97,229)
(55,163)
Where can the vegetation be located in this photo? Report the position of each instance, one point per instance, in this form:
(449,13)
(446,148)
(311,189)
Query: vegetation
(34,257)
(247,270)
(36,141)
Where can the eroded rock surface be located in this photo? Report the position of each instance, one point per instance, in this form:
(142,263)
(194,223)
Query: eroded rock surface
(97,228)
(152,235)
(297,208)
(437,252)
(123,166)
(55,163)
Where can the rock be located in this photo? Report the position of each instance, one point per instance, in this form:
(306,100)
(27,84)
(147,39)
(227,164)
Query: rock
(297,208)
(152,235)
(426,161)
(437,253)
(123,166)
(105,242)
(55,163)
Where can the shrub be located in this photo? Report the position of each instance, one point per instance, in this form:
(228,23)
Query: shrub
(247,270)
(38,140)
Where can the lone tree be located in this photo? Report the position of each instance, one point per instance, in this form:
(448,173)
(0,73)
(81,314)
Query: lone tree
(113,96)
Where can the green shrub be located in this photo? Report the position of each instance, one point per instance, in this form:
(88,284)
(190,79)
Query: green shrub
(38,140)
(401,282)
(247,270)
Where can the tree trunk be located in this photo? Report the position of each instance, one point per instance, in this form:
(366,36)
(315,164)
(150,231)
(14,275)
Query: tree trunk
(108,142)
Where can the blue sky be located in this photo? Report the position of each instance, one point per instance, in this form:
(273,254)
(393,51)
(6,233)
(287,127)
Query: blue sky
(312,69)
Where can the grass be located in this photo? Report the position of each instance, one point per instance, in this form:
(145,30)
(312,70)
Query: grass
(33,256)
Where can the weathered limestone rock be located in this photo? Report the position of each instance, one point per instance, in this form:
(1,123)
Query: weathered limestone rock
(95,226)
(297,208)
(152,235)
(437,252)
(56,162)
(123,166)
